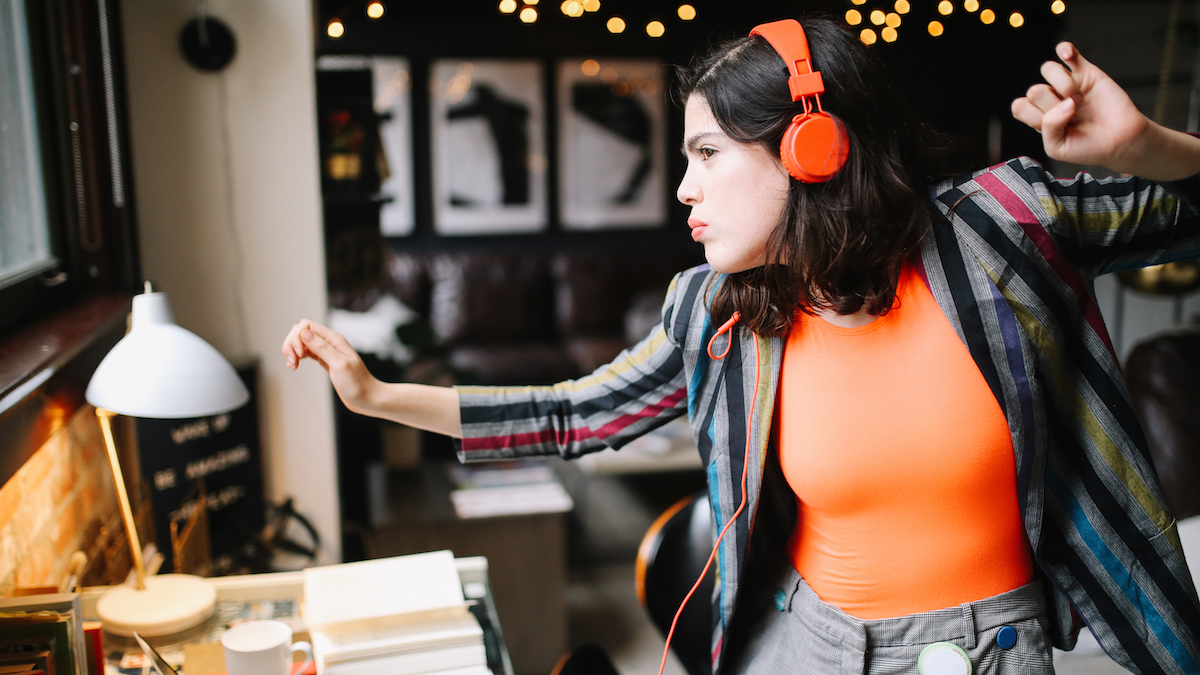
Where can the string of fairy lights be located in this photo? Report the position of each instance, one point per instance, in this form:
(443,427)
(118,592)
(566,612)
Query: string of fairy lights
(877,23)
(527,12)
(888,21)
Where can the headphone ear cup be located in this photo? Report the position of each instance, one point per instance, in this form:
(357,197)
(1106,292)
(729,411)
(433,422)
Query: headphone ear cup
(814,147)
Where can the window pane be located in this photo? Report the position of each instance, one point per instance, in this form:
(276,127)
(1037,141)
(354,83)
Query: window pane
(24,231)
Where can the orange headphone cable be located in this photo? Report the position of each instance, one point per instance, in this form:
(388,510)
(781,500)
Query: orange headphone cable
(745,469)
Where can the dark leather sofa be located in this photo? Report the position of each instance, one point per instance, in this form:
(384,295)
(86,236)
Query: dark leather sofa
(524,318)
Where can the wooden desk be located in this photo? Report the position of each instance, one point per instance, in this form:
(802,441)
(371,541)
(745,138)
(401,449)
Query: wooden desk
(526,555)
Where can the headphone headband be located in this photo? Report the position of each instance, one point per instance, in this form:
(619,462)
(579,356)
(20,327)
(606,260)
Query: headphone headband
(787,37)
(815,144)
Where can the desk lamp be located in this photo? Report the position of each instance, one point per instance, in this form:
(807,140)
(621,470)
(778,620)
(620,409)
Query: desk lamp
(158,370)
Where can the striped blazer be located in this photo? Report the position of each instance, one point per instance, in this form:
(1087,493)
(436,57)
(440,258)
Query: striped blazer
(1011,265)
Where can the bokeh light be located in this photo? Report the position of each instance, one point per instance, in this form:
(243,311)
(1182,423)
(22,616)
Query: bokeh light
(1058,6)
(987,16)
(889,34)
(655,29)
(892,20)
(572,8)
(971,5)
(1016,20)
(335,29)
(936,28)
(687,12)
(945,7)
(867,36)
(591,5)
(853,17)
(878,17)
(508,6)
(616,25)
(528,15)
(375,10)
(590,67)
(902,6)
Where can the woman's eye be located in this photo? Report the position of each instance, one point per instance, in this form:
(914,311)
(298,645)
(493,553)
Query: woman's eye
(707,152)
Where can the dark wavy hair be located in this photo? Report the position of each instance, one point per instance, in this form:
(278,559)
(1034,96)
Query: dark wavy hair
(839,244)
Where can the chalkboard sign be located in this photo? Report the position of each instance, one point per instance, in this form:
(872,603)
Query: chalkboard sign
(224,451)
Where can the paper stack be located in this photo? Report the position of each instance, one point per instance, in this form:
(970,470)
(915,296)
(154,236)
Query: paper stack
(401,616)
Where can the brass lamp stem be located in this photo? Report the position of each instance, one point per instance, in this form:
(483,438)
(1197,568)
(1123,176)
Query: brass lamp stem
(135,546)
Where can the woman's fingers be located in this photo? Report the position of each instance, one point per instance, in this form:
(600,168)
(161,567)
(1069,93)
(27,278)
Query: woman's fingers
(332,337)
(293,347)
(1063,82)
(1027,113)
(1042,96)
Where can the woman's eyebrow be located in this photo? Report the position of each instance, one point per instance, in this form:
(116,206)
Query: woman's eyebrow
(694,142)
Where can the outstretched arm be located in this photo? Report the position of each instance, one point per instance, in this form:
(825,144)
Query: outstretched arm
(1086,118)
(417,405)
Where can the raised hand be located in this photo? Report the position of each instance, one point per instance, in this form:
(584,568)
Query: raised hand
(349,375)
(1086,118)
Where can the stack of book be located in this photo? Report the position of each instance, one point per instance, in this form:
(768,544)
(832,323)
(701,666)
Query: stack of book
(401,616)
(42,635)
(507,488)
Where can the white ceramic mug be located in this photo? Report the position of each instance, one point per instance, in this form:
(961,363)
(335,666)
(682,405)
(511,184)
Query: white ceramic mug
(262,648)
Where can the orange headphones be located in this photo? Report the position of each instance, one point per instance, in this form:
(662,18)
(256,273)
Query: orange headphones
(815,145)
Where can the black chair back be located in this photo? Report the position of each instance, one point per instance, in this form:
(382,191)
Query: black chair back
(670,559)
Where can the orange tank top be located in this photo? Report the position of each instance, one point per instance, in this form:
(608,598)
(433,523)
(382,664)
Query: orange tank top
(902,464)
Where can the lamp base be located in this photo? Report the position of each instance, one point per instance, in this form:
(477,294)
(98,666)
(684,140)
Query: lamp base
(170,603)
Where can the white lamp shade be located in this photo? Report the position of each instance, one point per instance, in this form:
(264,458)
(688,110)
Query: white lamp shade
(160,370)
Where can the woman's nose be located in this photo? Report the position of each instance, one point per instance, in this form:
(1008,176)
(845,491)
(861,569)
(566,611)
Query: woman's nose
(689,189)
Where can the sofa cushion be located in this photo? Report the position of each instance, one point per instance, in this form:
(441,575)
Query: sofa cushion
(487,299)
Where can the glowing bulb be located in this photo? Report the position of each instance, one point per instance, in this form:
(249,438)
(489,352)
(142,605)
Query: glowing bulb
(590,67)
(1016,20)
(375,10)
(892,20)
(987,16)
(853,17)
(902,6)
(936,28)
(687,12)
(572,8)
(528,15)
(889,34)
(945,7)
(1058,6)
(878,17)
(335,29)
(616,25)
(591,5)
(867,36)
(508,6)
(971,5)
(655,29)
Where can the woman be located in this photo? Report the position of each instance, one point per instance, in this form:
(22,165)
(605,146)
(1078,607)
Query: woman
(910,402)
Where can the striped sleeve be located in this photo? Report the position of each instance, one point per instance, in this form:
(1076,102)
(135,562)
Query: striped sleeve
(1109,224)
(643,388)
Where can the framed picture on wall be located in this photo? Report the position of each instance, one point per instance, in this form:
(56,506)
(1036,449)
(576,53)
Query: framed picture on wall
(611,140)
(392,86)
(489,159)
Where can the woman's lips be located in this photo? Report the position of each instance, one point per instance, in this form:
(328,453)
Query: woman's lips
(698,228)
